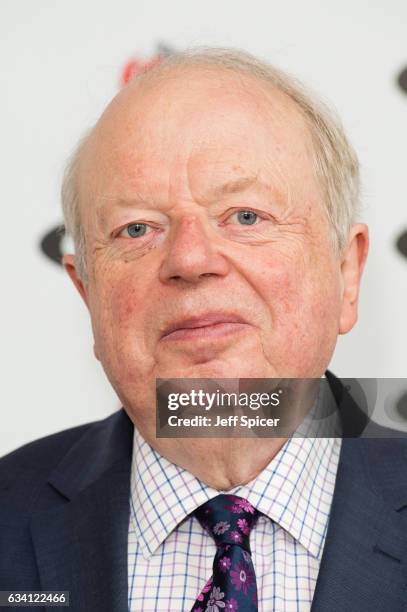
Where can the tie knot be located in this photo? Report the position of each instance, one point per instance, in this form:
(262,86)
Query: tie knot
(229,519)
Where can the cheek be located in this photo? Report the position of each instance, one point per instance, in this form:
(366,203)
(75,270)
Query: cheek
(303,301)
(125,304)
(280,281)
(119,322)
(304,282)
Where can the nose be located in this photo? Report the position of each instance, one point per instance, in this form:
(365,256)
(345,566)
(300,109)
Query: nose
(191,254)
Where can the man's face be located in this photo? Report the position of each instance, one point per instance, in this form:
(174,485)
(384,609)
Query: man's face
(209,252)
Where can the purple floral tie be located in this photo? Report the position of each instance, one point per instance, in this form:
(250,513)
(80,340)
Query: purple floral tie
(232,587)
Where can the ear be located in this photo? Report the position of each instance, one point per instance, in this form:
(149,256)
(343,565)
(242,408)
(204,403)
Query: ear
(352,264)
(68,262)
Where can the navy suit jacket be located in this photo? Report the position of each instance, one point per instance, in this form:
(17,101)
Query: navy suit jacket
(64,512)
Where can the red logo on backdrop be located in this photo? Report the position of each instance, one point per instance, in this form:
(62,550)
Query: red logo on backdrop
(137,66)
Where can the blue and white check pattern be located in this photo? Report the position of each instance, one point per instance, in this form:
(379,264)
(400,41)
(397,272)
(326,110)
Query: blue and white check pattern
(170,555)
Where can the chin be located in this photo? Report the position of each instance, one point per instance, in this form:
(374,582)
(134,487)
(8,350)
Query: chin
(218,369)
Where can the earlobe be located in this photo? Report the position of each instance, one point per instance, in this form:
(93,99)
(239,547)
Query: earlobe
(352,265)
(95,351)
(68,262)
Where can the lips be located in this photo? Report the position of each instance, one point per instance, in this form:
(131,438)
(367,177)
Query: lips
(206,325)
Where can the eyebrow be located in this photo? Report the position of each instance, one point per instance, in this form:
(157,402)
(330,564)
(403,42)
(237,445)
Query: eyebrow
(103,210)
(235,186)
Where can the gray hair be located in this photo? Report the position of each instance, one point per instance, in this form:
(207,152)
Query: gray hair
(335,161)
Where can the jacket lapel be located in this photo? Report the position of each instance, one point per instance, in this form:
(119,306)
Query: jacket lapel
(81,540)
(364,563)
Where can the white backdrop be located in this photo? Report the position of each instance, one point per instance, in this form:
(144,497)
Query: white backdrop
(60,64)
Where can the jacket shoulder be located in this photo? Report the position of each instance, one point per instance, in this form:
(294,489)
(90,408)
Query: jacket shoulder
(29,466)
(26,490)
(39,451)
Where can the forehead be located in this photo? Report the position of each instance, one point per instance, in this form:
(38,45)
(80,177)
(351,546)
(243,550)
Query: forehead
(195,127)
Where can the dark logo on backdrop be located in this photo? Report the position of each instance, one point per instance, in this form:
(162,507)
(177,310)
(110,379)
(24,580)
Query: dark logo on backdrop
(401,242)
(401,245)
(402,80)
(51,242)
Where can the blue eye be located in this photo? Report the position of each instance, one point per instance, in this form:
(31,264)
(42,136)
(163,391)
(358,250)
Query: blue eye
(247,217)
(135,230)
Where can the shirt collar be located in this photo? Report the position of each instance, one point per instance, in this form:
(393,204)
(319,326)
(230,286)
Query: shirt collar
(295,489)
(161,495)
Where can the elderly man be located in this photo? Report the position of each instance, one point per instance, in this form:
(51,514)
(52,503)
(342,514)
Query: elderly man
(213,213)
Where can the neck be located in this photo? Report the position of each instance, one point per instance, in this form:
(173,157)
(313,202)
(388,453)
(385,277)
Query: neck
(220,463)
